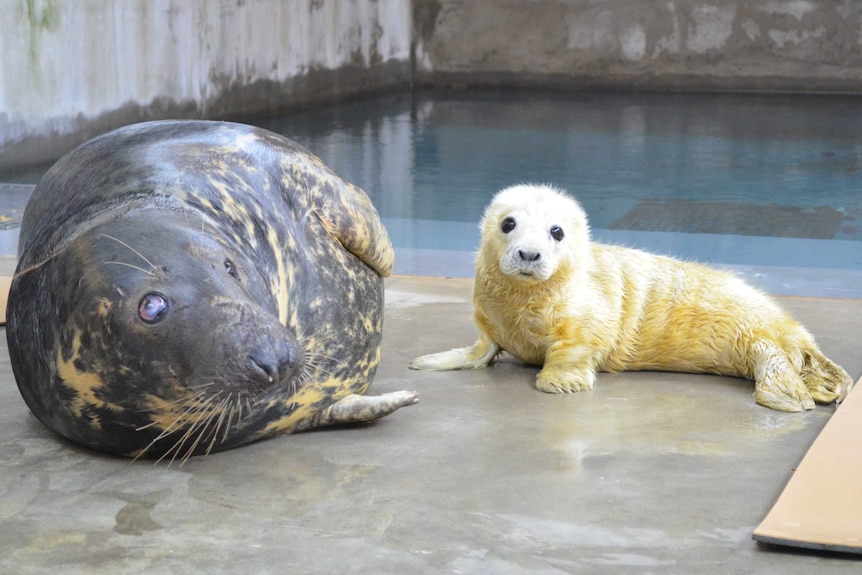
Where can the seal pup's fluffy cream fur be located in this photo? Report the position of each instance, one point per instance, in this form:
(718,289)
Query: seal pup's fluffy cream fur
(549,296)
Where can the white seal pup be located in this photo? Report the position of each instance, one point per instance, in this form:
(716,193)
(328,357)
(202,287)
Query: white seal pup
(549,296)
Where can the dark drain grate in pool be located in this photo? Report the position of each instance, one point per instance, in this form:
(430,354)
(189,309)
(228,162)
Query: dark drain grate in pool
(690,216)
(13,199)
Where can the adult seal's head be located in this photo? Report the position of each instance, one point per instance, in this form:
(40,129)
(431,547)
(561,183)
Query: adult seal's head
(186,287)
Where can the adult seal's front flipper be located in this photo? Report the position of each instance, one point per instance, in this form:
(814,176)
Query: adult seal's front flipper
(362,408)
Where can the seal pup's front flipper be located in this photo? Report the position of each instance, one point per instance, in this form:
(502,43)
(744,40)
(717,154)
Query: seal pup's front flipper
(362,408)
(479,355)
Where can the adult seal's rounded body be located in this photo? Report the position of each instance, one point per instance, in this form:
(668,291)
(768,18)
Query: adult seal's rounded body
(185,287)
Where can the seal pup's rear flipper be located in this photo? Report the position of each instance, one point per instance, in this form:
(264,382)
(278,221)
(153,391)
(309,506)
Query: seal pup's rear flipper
(361,408)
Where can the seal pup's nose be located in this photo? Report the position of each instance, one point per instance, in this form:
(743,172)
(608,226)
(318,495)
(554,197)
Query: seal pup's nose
(528,256)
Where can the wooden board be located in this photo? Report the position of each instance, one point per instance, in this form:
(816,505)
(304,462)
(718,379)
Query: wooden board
(5,284)
(821,507)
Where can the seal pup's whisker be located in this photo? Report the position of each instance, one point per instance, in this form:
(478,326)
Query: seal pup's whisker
(164,433)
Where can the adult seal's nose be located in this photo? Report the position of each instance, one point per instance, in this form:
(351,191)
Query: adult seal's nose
(273,363)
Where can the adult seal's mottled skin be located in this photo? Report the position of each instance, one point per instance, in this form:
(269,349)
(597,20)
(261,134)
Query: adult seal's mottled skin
(185,287)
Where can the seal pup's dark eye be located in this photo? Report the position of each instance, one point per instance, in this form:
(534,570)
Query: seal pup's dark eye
(557,233)
(152,308)
(508,225)
(231,269)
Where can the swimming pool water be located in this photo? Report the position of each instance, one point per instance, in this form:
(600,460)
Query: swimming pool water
(769,186)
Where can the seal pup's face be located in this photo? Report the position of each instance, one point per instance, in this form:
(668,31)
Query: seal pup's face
(530,231)
(175,329)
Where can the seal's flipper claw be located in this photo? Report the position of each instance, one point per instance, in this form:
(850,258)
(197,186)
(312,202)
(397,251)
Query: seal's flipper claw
(361,408)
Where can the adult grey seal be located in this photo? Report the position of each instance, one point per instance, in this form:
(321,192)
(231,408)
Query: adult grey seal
(185,287)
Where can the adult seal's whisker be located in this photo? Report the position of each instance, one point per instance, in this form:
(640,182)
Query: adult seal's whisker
(180,400)
(131,249)
(134,267)
(190,432)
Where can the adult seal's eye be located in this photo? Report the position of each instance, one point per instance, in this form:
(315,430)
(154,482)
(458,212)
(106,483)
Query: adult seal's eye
(508,225)
(231,269)
(557,233)
(153,308)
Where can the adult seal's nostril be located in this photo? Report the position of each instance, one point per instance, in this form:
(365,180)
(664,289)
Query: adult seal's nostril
(272,359)
(164,211)
(529,256)
(273,362)
(262,370)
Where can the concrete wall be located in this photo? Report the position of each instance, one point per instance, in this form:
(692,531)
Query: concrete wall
(73,69)
(760,45)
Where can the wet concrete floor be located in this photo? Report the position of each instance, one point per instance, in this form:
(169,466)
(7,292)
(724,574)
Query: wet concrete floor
(648,473)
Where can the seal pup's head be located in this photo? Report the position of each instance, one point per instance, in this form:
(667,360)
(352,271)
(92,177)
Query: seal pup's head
(531,232)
